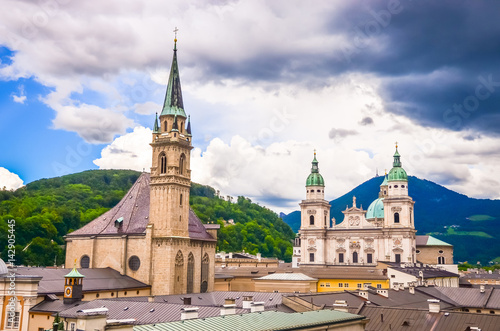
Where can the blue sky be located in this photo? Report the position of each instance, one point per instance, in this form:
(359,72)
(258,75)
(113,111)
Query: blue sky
(81,81)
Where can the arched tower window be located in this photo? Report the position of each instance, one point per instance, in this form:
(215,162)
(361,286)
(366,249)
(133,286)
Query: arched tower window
(396,217)
(441,260)
(204,273)
(190,273)
(165,125)
(355,257)
(182,162)
(179,273)
(163,163)
(182,127)
(85,261)
(180,199)
(311,220)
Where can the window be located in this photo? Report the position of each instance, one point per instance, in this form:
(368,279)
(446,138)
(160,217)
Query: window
(318,191)
(492,311)
(327,284)
(311,220)
(321,285)
(360,285)
(311,257)
(180,199)
(190,273)
(369,258)
(72,326)
(179,273)
(355,257)
(97,295)
(13,321)
(402,186)
(379,285)
(181,163)
(163,164)
(417,251)
(398,258)
(441,260)
(165,126)
(395,186)
(441,251)
(134,263)
(346,284)
(205,263)
(341,257)
(478,311)
(85,261)
(396,217)
(341,284)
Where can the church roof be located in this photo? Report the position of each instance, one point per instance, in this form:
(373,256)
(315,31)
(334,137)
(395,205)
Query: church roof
(429,241)
(315,179)
(173,104)
(131,216)
(376,209)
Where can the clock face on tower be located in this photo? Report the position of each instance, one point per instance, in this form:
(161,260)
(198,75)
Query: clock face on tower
(67,291)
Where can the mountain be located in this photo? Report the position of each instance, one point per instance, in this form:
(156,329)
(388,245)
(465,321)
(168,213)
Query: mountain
(46,210)
(471,225)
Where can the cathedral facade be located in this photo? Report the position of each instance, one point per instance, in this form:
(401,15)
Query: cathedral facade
(384,232)
(152,234)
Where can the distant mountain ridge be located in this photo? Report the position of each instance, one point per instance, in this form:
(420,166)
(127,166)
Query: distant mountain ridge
(472,225)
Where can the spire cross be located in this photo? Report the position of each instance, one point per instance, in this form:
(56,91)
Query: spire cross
(175,31)
(396,144)
(315,151)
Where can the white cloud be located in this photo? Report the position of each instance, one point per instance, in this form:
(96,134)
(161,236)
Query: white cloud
(21,97)
(147,108)
(9,180)
(130,151)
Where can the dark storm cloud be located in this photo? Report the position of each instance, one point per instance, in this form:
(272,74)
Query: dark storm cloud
(366,121)
(340,133)
(432,57)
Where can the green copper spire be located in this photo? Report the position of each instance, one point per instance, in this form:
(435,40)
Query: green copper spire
(188,128)
(384,183)
(397,173)
(175,127)
(315,179)
(156,128)
(74,273)
(173,99)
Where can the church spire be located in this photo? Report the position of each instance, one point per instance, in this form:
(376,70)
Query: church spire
(397,158)
(315,179)
(156,127)
(173,104)
(188,128)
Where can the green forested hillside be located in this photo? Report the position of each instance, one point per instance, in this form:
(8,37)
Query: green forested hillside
(45,210)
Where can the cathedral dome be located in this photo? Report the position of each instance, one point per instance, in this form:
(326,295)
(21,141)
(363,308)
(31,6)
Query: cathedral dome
(315,179)
(397,173)
(376,209)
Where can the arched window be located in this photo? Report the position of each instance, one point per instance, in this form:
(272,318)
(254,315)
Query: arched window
(325,220)
(180,199)
(190,273)
(397,258)
(311,220)
(182,127)
(182,162)
(165,125)
(163,163)
(441,260)
(355,257)
(85,261)
(341,257)
(204,273)
(396,217)
(179,273)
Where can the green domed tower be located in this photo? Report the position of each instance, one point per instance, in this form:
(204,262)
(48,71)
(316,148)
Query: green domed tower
(315,179)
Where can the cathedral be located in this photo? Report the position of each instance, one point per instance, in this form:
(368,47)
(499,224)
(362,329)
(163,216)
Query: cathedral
(384,232)
(152,234)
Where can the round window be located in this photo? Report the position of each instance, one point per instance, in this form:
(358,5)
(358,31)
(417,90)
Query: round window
(441,251)
(395,186)
(134,263)
(418,251)
(85,261)
(402,186)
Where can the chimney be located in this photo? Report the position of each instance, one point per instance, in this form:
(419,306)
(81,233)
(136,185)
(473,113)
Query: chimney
(151,298)
(340,305)
(434,306)
(223,255)
(411,289)
(395,286)
(247,302)
(259,257)
(481,288)
(230,255)
(257,306)
(189,313)
(229,307)
(402,286)
(384,293)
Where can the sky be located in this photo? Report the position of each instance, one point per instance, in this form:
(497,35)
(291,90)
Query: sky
(265,82)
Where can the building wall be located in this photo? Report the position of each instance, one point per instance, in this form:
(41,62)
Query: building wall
(285,286)
(333,285)
(40,320)
(429,254)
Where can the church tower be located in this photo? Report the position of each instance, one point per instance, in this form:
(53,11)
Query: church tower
(315,218)
(398,215)
(170,171)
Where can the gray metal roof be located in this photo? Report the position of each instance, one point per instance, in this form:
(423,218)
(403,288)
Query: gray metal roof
(392,318)
(466,297)
(134,210)
(52,281)
(287,276)
(258,321)
(428,272)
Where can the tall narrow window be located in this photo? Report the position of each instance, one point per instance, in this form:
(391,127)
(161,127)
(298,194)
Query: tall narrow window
(325,220)
(355,257)
(311,220)
(190,273)
(441,260)
(182,127)
(369,258)
(163,163)
(165,126)
(181,163)
(179,273)
(398,258)
(311,257)
(396,217)
(205,263)
(341,257)
(180,200)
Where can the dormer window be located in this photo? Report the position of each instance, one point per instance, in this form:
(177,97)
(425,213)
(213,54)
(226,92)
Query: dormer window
(119,222)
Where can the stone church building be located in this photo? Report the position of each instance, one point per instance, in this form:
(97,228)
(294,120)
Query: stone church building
(384,232)
(152,234)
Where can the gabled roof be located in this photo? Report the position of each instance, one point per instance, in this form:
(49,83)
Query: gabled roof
(52,281)
(429,241)
(133,214)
